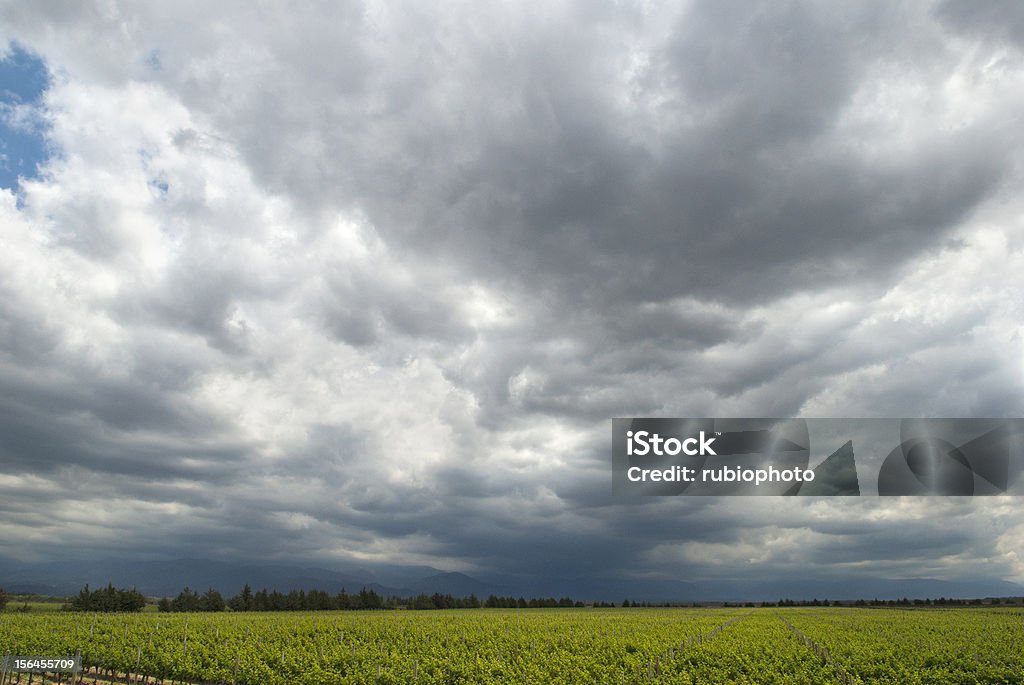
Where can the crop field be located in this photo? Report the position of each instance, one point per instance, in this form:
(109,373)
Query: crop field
(614,646)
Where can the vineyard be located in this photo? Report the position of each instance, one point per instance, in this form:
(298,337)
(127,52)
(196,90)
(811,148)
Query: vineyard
(614,646)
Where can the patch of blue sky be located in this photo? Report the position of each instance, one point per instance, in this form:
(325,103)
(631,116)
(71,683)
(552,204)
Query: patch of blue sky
(23,147)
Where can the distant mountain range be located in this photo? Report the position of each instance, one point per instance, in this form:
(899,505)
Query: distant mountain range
(169,577)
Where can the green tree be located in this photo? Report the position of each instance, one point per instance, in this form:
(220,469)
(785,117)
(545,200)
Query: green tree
(212,601)
(187,600)
(243,601)
(108,599)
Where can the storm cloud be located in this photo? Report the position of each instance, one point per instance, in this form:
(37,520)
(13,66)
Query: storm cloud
(369,281)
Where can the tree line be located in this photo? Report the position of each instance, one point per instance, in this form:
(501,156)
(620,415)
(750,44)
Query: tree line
(365,599)
(904,602)
(107,599)
(111,599)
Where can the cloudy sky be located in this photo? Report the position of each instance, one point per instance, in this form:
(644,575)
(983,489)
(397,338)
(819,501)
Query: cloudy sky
(364,281)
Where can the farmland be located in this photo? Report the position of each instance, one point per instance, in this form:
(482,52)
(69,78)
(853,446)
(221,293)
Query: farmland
(765,645)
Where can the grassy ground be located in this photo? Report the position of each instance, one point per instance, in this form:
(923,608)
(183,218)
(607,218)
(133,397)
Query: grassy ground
(41,603)
(34,603)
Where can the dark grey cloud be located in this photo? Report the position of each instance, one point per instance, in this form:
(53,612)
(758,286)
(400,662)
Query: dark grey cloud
(999,19)
(546,173)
